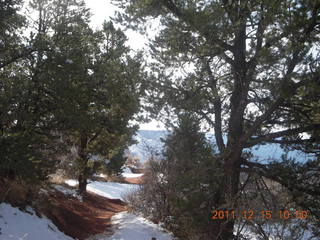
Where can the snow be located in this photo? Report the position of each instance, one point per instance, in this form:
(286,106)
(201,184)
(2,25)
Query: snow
(101,175)
(64,190)
(71,182)
(18,225)
(132,175)
(128,226)
(68,192)
(127,173)
(110,190)
(126,169)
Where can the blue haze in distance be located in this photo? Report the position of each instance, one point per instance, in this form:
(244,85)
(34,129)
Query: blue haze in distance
(149,142)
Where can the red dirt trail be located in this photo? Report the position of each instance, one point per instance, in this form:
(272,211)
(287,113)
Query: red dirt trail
(81,220)
(78,219)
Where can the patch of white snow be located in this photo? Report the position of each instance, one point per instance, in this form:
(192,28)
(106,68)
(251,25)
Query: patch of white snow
(128,226)
(110,190)
(18,225)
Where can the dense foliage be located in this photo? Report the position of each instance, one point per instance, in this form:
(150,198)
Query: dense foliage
(74,89)
(249,70)
(181,188)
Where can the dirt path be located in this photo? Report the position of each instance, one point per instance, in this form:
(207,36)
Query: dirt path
(82,219)
(135,180)
(78,219)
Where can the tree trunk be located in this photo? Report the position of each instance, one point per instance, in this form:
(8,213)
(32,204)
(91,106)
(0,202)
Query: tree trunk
(82,188)
(228,197)
(223,229)
(83,171)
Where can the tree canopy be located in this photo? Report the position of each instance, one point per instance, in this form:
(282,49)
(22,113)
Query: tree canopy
(75,88)
(248,69)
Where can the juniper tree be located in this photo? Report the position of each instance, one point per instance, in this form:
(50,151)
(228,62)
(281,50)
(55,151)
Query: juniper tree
(93,83)
(76,86)
(24,150)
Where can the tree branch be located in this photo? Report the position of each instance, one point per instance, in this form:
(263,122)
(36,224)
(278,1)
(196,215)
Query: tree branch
(217,109)
(269,173)
(289,132)
(16,57)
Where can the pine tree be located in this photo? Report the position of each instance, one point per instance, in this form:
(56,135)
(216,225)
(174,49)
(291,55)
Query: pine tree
(11,23)
(246,68)
(193,176)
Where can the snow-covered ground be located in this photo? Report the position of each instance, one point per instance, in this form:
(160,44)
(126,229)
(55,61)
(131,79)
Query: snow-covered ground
(132,175)
(127,173)
(18,225)
(110,190)
(128,226)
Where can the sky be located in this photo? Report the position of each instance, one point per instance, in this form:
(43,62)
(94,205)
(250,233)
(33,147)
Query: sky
(102,10)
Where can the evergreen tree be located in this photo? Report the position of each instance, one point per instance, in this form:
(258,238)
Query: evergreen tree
(11,23)
(249,68)
(24,142)
(192,178)
(93,82)
(76,88)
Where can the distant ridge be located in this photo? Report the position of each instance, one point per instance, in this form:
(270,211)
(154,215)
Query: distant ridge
(151,140)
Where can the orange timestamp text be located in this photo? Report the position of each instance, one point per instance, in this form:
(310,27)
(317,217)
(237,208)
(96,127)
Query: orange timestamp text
(264,214)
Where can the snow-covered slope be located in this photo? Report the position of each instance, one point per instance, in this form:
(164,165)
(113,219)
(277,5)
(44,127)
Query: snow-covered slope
(149,140)
(18,225)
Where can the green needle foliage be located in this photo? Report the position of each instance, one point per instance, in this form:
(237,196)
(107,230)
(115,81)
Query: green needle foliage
(248,69)
(75,89)
(192,179)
